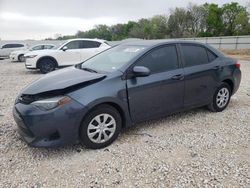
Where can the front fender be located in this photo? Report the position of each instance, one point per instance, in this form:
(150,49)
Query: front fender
(121,106)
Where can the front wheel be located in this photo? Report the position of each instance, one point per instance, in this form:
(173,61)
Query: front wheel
(46,65)
(21,58)
(100,127)
(221,98)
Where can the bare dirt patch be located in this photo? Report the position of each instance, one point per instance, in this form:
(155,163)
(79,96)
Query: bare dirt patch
(243,54)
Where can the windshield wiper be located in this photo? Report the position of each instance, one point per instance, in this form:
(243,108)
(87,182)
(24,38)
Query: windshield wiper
(89,69)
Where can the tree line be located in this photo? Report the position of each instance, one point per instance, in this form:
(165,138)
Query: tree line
(205,20)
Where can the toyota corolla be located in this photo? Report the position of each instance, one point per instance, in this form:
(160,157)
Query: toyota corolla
(91,102)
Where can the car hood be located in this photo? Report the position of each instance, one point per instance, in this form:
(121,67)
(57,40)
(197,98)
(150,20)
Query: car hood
(41,52)
(61,79)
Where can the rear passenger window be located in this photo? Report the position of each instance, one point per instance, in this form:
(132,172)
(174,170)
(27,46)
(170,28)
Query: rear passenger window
(48,46)
(211,56)
(194,55)
(90,44)
(160,59)
(17,45)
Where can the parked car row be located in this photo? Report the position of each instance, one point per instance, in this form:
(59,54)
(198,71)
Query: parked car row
(19,54)
(48,57)
(16,51)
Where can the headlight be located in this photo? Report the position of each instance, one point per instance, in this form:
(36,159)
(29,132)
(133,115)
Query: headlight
(51,103)
(30,56)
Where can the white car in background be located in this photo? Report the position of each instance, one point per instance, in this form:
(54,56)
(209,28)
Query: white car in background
(19,54)
(69,53)
(6,49)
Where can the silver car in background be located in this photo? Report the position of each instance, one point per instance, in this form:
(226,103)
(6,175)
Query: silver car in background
(19,54)
(6,49)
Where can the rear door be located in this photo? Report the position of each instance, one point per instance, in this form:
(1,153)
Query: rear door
(201,74)
(161,92)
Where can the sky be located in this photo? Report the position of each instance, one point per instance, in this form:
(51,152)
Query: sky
(39,19)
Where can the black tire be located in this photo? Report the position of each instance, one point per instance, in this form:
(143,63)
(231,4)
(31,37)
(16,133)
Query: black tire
(46,65)
(214,107)
(100,110)
(21,58)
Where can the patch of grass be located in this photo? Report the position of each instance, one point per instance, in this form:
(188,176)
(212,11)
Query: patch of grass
(236,52)
(243,54)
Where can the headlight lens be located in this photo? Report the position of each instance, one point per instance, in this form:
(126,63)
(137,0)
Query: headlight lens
(51,103)
(30,56)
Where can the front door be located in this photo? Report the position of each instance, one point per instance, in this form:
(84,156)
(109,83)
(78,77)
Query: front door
(90,48)
(70,56)
(161,92)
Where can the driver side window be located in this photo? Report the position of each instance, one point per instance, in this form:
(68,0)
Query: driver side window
(37,47)
(73,45)
(160,59)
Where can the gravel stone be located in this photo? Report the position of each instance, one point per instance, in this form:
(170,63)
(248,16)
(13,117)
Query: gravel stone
(196,148)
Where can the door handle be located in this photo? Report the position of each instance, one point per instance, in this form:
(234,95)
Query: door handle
(178,77)
(217,67)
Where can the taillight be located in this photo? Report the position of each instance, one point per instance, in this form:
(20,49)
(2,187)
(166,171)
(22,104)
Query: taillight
(237,65)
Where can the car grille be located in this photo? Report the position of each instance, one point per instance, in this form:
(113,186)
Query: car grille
(21,125)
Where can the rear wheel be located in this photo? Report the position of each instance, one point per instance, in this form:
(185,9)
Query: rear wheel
(21,58)
(46,65)
(221,98)
(100,127)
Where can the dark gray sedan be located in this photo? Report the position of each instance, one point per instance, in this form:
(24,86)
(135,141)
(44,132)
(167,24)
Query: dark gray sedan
(133,82)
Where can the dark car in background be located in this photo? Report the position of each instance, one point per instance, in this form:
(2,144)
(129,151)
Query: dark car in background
(127,84)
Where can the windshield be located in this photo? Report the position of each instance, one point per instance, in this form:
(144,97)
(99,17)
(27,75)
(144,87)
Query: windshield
(112,59)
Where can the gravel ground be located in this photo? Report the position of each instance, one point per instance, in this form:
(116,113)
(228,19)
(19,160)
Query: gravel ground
(197,148)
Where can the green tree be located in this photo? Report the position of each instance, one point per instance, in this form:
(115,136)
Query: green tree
(141,30)
(235,19)
(118,31)
(214,22)
(158,27)
(197,19)
(178,23)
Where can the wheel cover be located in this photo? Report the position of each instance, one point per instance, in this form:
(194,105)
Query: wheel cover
(22,58)
(47,67)
(222,97)
(101,128)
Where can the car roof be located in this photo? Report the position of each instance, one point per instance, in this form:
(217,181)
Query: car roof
(97,40)
(15,43)
(151,43)
(154,43)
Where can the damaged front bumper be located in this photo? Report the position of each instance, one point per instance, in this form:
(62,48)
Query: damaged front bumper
(52,128)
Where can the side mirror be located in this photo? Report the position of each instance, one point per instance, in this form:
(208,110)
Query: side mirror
(140,71)
(65,48)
